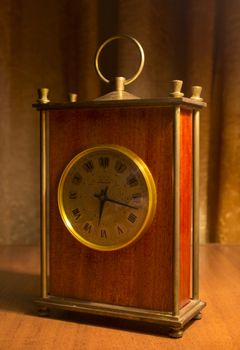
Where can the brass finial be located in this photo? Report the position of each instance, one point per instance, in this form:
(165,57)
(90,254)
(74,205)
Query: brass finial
(72,97)
(176,87)
(196,92)
(119,93)
(43,95)
(119,83)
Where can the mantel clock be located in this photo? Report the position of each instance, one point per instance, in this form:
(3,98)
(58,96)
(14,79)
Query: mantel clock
(119,205)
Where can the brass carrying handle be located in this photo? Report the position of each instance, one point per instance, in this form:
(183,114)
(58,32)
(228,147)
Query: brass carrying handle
(127,81)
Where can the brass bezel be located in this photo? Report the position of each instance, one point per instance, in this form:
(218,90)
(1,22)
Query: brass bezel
(150,184)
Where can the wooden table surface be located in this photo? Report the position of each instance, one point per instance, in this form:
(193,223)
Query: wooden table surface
(22,328)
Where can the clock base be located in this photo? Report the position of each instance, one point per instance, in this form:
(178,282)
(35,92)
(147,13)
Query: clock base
(174,324)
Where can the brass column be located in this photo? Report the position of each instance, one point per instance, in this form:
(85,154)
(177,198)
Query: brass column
(196,134)
(43,159)
(43,99)
(176,212)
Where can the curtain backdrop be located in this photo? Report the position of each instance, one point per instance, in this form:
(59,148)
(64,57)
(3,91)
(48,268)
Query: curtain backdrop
(51,43)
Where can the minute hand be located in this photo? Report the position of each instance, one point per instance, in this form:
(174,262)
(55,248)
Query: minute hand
(120,203)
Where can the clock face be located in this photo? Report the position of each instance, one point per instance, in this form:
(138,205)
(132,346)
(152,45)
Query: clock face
(107,197)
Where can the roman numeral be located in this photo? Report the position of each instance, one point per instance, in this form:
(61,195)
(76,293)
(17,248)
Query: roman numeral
(120,230)
(88,166)
(76,213)
(72,195)
(103,233)
(136,197)
(87,227)
(132,180)
(120,167)
(132,218)
(104,162)
(77,178)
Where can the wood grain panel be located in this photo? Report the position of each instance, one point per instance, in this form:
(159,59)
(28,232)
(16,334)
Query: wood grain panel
(185,204)
(139,275)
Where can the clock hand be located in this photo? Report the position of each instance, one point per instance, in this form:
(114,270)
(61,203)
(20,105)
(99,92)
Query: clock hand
(102,202)
(102,197)
(103,194)
(120,203)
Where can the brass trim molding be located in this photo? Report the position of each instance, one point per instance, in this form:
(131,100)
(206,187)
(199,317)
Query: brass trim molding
(160,102)
(188,312)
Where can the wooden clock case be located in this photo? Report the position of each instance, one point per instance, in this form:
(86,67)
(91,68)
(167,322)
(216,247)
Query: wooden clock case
(154,280)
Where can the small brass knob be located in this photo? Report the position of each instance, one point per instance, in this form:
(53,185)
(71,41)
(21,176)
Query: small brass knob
(196,92)
(43,95)
(176,87)
(72,97)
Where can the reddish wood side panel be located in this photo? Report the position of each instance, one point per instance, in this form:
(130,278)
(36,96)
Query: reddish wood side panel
(139,275)
(185,205)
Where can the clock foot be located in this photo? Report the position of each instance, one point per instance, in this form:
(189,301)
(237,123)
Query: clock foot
(175,333)
(43,311)
(198,316)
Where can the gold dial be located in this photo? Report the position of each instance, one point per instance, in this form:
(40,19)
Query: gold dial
(107,197)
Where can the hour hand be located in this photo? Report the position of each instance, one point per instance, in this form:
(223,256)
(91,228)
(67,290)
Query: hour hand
(100,211)
(102,198)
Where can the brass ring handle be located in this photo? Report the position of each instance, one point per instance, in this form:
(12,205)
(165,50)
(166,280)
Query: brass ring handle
(127,81)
